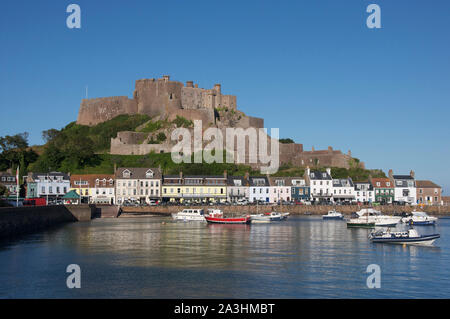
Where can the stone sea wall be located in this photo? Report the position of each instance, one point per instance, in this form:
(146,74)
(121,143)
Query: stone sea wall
(294,210)
(20,220)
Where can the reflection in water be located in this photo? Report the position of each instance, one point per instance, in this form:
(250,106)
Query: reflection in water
(155,257)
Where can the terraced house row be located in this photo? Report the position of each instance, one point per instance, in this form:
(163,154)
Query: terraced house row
(149,185)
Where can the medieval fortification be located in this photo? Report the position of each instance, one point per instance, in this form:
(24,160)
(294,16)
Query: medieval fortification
(163,99)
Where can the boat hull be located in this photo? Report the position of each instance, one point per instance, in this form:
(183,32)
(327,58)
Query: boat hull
(422,240)
(239,220)
(360,225)
(333,217)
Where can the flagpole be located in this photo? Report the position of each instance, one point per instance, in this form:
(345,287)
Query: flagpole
(17,187)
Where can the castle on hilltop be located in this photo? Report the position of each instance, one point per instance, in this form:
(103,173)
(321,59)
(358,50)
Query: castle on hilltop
(165,99)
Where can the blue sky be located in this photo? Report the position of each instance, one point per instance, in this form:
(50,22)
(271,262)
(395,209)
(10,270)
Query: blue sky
(311,68)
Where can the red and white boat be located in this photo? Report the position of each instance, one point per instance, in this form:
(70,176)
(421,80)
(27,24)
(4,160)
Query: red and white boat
(215,216)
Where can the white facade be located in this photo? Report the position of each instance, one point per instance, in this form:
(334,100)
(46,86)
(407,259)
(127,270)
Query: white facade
(259,190)
(321,185)
(137,185)
(364,193)
(53,185)
(236,189)
(343,190)
(405,191)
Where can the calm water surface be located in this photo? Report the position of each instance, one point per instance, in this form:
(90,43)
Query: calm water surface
(303,257)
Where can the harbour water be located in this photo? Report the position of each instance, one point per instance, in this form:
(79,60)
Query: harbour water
(155,257)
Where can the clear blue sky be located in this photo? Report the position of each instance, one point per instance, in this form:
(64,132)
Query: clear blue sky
(311,68)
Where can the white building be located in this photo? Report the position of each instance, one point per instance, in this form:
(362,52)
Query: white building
(364,192)
(405,191)
(321,185)
(237,188)
(138,185)
(343,190)
(51,185)
(259,189)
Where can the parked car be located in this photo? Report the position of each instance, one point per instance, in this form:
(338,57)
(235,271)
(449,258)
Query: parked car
(242,202)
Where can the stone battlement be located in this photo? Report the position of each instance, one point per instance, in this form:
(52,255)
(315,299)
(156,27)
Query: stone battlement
(158,97)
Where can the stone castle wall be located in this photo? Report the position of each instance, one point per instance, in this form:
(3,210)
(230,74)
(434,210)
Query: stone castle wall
(94,111)
(158,97)
(169,99)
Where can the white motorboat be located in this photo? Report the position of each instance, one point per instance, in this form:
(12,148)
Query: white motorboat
(190,215)
(410,237)
(370,215)
(333,214)
(266,218)
(419,218)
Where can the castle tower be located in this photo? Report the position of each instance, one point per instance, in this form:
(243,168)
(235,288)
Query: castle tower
(217,88)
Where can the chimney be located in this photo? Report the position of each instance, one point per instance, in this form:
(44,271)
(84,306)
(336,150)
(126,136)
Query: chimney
(391,174)
(115,168)
(189,84)
(349,153)
(181,174)
(225,175)
(412,174)
(166,78)
(330,149)
(312,149)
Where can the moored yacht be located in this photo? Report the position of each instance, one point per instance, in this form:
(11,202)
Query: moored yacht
(370,215)
(410,237)
(267,217)
(419,218)
(333,214)
(190,215)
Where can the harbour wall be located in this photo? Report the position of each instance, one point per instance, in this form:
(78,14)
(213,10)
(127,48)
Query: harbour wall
(294,209)
(20,220)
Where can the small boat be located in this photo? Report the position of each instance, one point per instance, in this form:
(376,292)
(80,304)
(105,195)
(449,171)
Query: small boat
(410,237)
(419,218)
(190,215)
(260,218)
(267,217)
(333,214)
(215,216)
(370,215)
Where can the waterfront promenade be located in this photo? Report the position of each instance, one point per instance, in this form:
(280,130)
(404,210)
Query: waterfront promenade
(292,209)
